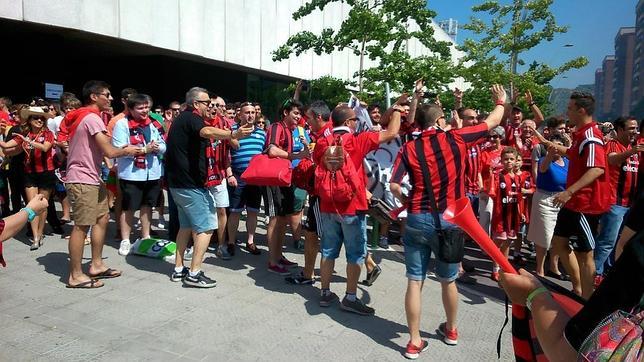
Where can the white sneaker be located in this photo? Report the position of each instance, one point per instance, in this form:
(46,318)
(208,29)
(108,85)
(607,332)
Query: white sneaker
(188,254)
(124,249)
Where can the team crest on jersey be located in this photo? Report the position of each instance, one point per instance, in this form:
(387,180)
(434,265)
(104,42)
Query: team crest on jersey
(502,185)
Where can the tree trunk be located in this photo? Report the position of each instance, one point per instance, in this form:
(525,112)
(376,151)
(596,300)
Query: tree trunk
(364,40)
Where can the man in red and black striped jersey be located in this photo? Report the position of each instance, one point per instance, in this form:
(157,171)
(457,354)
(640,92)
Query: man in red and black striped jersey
(220,175)
(435,163)
(280,203)
(623,163)
(586,197)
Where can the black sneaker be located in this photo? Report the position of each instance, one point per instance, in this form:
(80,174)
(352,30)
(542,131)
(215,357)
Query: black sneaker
(58,230)
(299,280)
(326,300)
(372,276)
(231,249)
(199,281)
(178,276)
(356,307)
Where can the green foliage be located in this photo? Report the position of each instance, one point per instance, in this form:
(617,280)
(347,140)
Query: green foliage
(514,29)
(379,31)
(327,88)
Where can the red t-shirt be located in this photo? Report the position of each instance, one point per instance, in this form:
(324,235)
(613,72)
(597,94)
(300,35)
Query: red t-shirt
(526,154)
(357,146)
(506,192)
(588,151)
(527,182)
(473,169)
(512,132)
(623,178)
(37,161)
(490,160)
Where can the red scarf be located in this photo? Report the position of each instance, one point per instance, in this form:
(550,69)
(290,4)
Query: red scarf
(137,137)
(71,121)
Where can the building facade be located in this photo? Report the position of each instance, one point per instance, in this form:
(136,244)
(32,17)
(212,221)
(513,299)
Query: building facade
(623,71)
(638,61)
(223,45)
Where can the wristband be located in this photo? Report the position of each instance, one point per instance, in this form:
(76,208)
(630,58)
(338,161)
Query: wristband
(531,104)
(227,177)
(31,214)
(500,103)
(534,294)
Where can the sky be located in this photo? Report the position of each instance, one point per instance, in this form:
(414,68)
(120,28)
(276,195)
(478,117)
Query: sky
(593,25)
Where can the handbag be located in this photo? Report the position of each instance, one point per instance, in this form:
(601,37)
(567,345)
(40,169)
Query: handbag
(268,171)
(617,338)
(380,211)
(451,243)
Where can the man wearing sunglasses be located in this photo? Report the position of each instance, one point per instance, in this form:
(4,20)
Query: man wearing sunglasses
(187,176)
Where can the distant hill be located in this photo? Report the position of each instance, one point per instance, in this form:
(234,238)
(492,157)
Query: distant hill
(560,96)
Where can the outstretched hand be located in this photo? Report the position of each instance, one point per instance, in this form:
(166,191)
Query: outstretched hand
(498,94)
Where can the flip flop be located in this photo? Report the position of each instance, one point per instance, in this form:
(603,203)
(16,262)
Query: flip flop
(107,274)
(90,284)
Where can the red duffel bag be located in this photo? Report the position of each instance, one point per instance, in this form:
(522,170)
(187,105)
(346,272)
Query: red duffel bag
(266,171)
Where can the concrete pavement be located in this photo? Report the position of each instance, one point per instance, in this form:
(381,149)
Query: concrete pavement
(251,315)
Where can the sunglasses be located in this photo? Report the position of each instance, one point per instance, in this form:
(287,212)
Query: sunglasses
(495,136)
(261,122)
(176,109)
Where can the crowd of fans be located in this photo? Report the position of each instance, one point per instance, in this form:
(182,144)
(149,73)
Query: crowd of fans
(555,190)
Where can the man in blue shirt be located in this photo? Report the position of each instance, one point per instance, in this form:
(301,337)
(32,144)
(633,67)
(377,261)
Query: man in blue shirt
(139,175)
(245,196)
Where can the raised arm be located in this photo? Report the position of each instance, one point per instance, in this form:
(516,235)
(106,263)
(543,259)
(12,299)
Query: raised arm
(499,97)
(538,115)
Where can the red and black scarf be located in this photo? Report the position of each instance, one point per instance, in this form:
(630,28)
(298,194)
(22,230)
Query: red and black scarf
(137,138)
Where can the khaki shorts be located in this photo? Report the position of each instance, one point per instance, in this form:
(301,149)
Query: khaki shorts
(89,202)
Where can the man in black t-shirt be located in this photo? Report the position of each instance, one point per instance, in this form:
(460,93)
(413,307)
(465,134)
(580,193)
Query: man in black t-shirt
(186,175)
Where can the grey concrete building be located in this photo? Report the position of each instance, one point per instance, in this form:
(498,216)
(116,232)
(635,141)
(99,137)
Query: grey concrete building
(623,71)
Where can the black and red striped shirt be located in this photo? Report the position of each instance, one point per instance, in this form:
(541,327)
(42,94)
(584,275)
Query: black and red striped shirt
(623,178)
(37,161)
(217,155)
(280,135)
(443,158)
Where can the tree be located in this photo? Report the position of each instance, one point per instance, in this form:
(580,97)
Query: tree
(379,30)
(327,88)
(512,31)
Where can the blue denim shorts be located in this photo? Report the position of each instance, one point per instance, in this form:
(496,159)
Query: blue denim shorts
(350,230)
(420,240)
(196,208)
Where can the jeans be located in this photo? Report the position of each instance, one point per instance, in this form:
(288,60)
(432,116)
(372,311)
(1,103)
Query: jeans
(611,224)
(348,229)
(420,239)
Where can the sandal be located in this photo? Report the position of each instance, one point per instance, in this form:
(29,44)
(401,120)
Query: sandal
(90,284)
(106,274)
